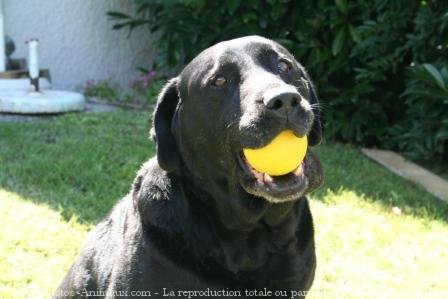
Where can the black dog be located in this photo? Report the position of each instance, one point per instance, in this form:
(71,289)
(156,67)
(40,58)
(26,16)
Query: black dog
(199,221)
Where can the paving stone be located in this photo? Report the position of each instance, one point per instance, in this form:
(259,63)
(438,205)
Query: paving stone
(410,171)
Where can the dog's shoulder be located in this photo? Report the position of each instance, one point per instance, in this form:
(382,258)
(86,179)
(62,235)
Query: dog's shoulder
(159,198)
(111,243)
(151,183)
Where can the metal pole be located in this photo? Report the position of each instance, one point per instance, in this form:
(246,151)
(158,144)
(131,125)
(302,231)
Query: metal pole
(33,63)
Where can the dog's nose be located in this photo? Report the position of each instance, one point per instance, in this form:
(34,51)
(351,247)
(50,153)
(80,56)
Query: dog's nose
(282,103)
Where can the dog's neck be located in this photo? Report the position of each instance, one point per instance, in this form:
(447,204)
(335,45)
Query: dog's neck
(246,234)
(189,230)
(234,208)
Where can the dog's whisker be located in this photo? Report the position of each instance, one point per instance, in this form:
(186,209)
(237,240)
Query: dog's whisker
(231,124)
(318,106)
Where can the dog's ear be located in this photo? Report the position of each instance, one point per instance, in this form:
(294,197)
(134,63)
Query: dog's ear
(315,135)
(168,154)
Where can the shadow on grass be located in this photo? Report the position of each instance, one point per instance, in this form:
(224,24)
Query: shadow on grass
(81,165)
(346,168)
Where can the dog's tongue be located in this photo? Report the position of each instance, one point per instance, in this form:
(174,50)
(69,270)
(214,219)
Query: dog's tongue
(266,179)
(262,178)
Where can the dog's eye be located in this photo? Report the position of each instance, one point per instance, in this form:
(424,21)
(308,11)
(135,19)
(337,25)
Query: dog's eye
(283,66)
(219,81)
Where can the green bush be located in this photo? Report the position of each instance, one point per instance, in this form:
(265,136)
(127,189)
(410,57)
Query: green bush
(424,132)
(104,89)
(357,52)
(143,92)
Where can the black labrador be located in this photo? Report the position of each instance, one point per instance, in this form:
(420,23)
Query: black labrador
(199,221)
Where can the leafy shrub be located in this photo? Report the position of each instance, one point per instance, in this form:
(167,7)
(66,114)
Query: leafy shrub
(104,89)
(143,92)
(357,52)
(424,132)
(147,86)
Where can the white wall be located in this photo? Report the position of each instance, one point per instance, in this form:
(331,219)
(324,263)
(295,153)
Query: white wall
(76,39)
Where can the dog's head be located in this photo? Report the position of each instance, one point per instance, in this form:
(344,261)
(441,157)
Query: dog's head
(238,94)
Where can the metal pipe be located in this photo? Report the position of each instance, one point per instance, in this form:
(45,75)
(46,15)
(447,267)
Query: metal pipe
(33,63)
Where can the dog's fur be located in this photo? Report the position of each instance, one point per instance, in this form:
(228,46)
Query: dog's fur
(196,217)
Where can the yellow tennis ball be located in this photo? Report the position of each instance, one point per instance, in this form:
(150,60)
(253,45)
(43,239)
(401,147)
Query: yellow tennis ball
(281,156)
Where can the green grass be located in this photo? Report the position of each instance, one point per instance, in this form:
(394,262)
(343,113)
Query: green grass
(77,164)
(60,177)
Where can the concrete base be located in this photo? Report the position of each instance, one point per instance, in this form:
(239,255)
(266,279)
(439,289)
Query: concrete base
(22,84)
(47,101)
(410,171)
(90,108)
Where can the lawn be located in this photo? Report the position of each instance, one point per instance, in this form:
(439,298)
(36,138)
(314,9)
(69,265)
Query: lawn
(377,235)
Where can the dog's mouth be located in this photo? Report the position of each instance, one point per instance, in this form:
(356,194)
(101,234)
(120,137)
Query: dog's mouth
(275,189)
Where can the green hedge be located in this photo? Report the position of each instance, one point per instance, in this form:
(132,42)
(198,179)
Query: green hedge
(379,65)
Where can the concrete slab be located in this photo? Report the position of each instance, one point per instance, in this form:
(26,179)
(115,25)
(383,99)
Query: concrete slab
(410,171)
(100,108)
(90,108)
(44,102)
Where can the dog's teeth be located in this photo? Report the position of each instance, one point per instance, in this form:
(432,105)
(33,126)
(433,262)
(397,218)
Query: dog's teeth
(299,170)
(259,176)
(267,178)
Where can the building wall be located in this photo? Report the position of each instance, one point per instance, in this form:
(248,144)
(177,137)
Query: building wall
(76,40)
